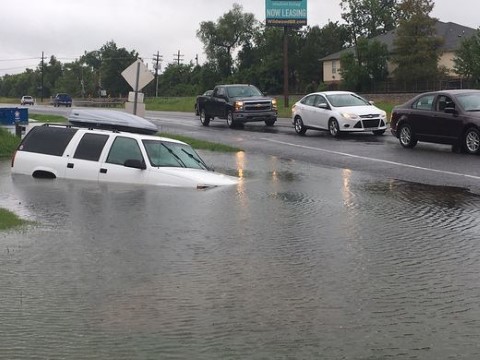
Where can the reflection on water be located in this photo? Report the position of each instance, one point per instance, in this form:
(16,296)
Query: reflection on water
(294,262)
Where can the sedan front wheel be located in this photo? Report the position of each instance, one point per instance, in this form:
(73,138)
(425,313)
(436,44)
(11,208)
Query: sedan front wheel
(406,136)
(333,128)
(471,141)
(300,129)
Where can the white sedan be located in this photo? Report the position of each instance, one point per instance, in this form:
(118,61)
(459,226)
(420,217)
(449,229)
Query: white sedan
(337,112)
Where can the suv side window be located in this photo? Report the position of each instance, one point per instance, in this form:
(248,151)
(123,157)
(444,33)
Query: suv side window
(47,140)
(90,147)
(124,148)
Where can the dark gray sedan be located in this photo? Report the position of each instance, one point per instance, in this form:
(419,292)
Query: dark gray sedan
(443,117)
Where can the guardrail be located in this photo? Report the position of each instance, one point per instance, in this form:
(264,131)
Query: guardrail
(106,103)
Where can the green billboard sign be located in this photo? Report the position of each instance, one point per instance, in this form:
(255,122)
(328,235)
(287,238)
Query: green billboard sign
(286,12)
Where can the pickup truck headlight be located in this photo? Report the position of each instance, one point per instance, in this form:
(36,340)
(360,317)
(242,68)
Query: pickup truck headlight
(274,104)
(238,105)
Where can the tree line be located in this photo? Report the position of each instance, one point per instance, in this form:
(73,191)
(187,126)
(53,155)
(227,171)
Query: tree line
(241,49)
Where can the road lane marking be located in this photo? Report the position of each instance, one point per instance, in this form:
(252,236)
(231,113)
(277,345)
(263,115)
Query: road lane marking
(374,160)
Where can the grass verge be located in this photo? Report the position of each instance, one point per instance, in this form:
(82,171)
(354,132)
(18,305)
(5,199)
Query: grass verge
(9,220)
(48,118)
(200,144)
(8,143)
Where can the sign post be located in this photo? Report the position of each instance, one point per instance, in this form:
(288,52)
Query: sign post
(286,14)
(137,76)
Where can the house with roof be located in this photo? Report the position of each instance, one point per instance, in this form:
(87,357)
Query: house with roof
(451,33)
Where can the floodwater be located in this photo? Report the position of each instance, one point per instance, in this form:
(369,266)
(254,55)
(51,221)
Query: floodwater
(296,262)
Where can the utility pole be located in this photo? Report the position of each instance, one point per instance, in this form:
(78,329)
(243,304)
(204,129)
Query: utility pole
(156,60)
(178,57)
(41,94)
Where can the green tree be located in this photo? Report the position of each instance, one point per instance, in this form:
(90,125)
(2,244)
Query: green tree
(369,18)
(467,58)
(220,39)
(416,46)
(361,76)
(107,64)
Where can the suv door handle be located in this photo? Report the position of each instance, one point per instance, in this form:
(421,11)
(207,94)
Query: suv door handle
(70,165)
(103,171)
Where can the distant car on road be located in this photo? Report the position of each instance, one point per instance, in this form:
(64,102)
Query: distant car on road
(444,117)
(27,100)
(62,99)
(337,112)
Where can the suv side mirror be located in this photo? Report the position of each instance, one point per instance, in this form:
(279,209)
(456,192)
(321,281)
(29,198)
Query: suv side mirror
(135,163)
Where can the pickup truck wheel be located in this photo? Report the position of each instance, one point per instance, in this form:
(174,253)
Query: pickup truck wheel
(204,118)
(230,122)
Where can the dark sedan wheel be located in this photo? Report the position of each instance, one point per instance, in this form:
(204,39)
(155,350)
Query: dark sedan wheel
(406,136)
(471,141)
(333,128)
(204,118)
(300,129)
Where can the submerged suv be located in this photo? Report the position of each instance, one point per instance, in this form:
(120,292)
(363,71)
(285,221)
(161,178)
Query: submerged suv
(65,151)
(62,99)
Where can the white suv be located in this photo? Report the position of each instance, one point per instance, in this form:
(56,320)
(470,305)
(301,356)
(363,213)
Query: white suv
(65,151)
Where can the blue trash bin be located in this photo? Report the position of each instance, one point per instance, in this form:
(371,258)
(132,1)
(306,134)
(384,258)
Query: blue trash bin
(14,119)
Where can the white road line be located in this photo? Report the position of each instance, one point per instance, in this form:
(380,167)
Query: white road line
(374,160)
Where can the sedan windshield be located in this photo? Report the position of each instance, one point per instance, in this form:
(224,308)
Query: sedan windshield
(170,154)
(342,100)
(470,102)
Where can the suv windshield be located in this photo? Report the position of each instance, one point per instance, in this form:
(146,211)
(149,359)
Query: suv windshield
(170,154)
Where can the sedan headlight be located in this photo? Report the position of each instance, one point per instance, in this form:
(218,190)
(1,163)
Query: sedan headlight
(350,116)
(383,115)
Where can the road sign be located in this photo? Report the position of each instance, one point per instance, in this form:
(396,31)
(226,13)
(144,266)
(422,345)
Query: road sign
(137,73)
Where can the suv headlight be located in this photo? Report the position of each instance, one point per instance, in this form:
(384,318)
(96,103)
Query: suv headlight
(350,116)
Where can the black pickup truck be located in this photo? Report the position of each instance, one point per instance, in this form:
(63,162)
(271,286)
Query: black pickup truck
(238,104)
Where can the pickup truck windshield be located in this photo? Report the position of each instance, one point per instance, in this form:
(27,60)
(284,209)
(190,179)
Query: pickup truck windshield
(170,154)
(243,91)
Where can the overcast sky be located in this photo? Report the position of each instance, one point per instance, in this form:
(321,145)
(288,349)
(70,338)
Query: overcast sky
(68,28)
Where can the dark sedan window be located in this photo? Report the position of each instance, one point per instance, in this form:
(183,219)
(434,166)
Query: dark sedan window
(424,103)
(444,102)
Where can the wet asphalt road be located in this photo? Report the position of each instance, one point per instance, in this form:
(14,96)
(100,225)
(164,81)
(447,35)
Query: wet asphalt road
(426,163)
(327,249)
